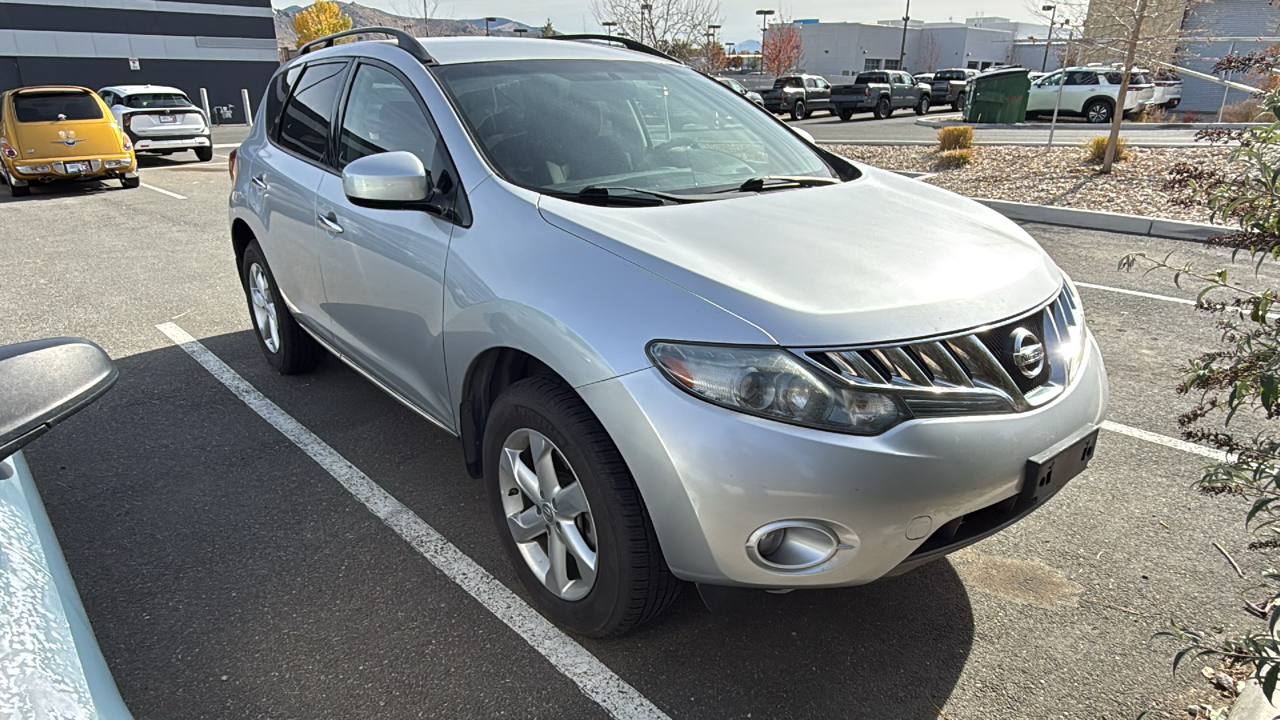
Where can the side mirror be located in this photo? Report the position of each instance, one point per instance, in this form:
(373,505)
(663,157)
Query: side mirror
(386,179)
(45,382)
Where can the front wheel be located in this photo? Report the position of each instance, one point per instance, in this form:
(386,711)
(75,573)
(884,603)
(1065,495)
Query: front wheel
(287,347)
(922,107)
(568,512)
(799,111)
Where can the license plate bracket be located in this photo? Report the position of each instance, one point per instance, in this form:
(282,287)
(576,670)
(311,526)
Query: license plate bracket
(1049,471)
(165,119)
(79,166)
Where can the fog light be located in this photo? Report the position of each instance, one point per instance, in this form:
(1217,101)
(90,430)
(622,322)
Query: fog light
(793,545)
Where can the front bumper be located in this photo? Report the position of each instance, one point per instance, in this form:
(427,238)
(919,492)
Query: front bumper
(710,477)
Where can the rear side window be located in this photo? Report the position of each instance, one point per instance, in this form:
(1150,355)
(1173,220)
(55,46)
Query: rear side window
(1082,77)
(51,106)
(305,124)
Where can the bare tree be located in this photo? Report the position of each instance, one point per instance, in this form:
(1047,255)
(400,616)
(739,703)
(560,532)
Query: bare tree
(414,9)
(664,24)
(930,50)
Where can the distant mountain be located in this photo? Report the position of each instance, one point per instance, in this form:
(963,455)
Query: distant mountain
(747,46)
(362,16)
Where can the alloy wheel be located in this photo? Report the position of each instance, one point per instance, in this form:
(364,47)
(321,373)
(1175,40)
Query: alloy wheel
(1098,113)
(265,317)
(547,514)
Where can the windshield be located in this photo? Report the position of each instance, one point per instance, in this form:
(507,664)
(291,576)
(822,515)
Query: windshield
(57,105)
(157,100)
(564,125)
(949,75)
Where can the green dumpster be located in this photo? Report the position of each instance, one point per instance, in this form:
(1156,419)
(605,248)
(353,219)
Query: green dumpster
(999,96)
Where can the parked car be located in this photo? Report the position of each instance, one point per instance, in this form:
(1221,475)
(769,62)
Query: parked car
(949,86)
(880,92)
(52,664)
(1168,88)
(60,133)
(160,119)
(737,87)
(1090,92)
(800,95)
(924,77)
(655,376)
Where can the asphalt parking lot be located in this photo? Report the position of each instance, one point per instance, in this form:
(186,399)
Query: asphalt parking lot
(229,575)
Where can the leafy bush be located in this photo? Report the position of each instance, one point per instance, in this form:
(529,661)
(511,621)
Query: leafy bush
(952,159)
(1095,150)
(958,137)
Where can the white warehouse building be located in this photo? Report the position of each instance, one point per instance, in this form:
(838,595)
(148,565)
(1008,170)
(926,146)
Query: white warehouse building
(847,48)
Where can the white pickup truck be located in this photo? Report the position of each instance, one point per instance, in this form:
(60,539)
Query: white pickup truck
(1089,92)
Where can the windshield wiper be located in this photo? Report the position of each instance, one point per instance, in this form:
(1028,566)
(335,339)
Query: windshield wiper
(638,196)
(780,182)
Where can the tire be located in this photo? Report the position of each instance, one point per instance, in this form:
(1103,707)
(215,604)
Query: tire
(1173,103)
(884,109)
(204,154)
(845,115)
(129,183)
(1098,111)
(289,349)
(834,112)
(632,583)
(19,190)
(799,111)
(922,107)
(958,105)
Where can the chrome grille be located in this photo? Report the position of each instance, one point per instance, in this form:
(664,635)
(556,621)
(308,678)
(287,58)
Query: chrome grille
(969,374)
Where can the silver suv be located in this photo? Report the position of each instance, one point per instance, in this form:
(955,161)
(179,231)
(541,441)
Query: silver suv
(583,261)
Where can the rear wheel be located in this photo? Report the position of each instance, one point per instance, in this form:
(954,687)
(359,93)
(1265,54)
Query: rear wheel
(287,347)
(799,111)
(18,190)
(922,107)
(130,182)
(568,512)
(1098,111)
(845,114)
(958,105)
(884,109)
(204,154)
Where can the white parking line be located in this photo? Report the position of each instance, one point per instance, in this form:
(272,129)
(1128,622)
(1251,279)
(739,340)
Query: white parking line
(162,191)
(593,677)
(225,145)
(1158,439)
(1151,296)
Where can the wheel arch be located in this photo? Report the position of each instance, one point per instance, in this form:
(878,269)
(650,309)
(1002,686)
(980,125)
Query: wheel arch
(1110,101)
(241,236)
(487,377)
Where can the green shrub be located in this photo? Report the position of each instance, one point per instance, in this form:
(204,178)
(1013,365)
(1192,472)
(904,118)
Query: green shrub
(952,159)
(959,137)
(1095,150)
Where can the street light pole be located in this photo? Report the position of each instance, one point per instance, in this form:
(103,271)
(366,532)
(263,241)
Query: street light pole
(1048,39)
(608,27)
(764,29)
(486,25)
(646,9)
(906,20)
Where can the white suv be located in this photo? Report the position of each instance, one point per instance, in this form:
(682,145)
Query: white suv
(1090,92)
(159,119)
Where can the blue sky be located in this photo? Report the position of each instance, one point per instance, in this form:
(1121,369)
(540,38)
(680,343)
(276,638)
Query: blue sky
(740,22)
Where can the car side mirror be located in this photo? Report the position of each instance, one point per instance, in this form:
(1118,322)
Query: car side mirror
(386,179)
(45,382)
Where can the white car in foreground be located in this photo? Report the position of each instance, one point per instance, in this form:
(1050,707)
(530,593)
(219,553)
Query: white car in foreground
(1090,92)
(159,119)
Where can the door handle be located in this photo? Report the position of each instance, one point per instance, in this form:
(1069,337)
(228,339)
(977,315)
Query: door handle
(260,180)
(329,222)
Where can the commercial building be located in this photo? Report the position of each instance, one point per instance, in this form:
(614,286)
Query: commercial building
(847,48)
(219,45)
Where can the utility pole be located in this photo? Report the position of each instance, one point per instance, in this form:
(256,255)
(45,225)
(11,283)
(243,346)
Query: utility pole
(764,30)
(906,20)
(1118,112)
(1048,40)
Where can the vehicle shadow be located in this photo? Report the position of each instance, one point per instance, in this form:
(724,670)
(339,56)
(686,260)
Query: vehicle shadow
(55,190)
(181,159)
(205,547)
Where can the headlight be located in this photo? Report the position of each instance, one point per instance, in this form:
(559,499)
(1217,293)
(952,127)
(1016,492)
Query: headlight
(774,384)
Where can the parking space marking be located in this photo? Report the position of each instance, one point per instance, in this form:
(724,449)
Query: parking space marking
(594,678)
(1165,440)
(225,145)
(1151,296)
(162,191)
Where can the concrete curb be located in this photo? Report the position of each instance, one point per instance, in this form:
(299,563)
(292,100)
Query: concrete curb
(1132,126)
(1252,704)
(1111,222)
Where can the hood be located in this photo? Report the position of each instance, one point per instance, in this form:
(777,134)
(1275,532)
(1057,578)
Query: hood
(878,259)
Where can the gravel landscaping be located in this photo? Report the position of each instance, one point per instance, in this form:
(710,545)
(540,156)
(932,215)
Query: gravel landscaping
(1060,177)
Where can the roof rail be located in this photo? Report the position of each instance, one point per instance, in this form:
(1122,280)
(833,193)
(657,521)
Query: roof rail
(404,41)
(626,42)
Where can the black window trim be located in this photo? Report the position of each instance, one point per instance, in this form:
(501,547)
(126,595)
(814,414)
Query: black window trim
(461,207)
(274,138)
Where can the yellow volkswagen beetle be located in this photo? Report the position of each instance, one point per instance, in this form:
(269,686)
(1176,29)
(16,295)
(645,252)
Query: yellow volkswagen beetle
(61,133)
